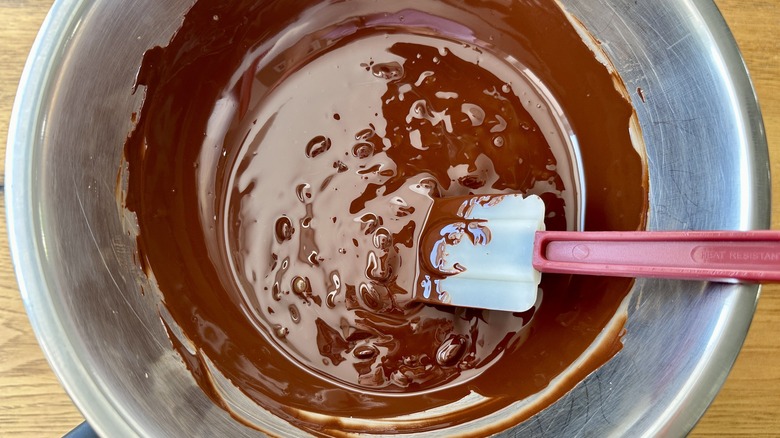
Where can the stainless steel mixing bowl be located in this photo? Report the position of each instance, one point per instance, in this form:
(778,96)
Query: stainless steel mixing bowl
(74,261)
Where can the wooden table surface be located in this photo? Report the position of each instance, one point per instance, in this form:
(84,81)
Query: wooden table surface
(33,404)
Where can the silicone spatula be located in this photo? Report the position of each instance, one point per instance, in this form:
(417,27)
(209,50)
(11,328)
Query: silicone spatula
(491,252)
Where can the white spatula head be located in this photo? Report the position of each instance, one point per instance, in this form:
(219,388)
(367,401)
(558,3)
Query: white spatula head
(477,251)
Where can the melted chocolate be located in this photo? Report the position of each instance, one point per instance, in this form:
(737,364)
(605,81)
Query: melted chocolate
(281,176)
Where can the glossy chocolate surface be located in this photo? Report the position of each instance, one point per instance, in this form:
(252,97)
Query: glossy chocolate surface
(282,169)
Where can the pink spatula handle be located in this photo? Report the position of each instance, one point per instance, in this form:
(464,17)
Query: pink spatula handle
(750,256)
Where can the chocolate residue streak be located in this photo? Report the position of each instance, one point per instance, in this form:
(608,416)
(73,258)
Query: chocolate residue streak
(641,94)
(281,186)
